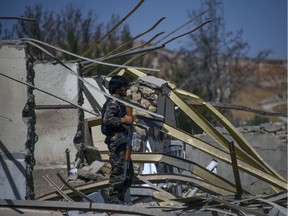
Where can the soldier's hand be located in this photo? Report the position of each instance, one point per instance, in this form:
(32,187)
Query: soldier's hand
(127,119)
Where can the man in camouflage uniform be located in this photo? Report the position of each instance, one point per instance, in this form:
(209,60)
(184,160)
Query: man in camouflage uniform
(114,126)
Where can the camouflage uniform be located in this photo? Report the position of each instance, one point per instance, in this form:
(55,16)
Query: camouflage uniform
(116,139)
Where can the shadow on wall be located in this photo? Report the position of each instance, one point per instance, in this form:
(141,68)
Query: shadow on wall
(9,172)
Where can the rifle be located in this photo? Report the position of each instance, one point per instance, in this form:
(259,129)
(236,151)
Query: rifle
(129,111)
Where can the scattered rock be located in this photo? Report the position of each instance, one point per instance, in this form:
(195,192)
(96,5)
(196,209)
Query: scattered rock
(270,127)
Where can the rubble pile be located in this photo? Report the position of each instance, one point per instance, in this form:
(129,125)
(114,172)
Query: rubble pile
(186,188)
(183,193)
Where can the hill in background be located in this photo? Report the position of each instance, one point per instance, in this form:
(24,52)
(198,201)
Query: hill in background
(265,89)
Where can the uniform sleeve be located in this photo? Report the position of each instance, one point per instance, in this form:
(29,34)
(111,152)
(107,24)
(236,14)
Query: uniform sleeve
(110,117)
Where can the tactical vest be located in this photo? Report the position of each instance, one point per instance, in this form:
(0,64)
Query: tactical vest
(109,130)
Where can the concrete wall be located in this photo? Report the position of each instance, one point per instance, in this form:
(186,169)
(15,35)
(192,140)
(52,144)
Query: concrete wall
(270,142)
(13,130)
(12,176)
(13,97)
(55,128)
(98,137)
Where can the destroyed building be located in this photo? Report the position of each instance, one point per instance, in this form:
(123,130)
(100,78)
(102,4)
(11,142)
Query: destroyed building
(50,136)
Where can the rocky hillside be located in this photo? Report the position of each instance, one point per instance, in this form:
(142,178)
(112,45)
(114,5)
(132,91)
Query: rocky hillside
(265,89)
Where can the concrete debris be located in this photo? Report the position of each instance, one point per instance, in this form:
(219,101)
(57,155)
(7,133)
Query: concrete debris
(152,82)
(161,199)
(96,171)
(91,172)
(91,154)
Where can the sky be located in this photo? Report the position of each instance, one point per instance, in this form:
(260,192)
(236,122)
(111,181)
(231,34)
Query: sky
(264,22)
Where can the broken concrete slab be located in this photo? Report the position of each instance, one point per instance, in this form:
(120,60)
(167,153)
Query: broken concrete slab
(152,81)
(91,172)
(91,154)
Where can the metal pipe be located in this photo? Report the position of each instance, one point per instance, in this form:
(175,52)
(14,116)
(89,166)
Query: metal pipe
(148,49)
(20,18)
(79,193)
(67,151)
(63,106)
(235,170)
(65,196)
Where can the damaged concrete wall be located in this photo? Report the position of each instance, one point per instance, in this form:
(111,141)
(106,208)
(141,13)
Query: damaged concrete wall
(13,130)
(55,127)
(13,98)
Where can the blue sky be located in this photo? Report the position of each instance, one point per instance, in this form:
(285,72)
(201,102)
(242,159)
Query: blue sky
(264,22)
